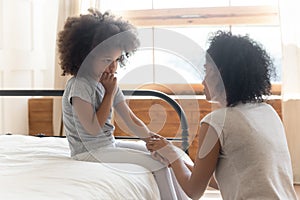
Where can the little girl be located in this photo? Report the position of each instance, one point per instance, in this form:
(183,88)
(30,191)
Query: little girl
(91,47)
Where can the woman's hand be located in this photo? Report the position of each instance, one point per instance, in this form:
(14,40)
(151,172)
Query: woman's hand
(109,82)
(147,139)
(156,142)
(163,150)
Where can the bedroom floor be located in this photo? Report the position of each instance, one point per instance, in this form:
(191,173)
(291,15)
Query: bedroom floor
(212,194)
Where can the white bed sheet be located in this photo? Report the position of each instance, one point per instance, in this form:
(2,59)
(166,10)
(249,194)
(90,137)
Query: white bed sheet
(41,168)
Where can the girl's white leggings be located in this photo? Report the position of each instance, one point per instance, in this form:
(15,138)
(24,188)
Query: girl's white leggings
(136,153)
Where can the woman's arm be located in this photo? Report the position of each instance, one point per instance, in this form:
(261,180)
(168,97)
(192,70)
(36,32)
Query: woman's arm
(212,183)
(135,125)
(195,181)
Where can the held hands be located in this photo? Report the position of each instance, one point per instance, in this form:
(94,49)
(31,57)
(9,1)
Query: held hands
(156,142)
(148,138)
(109,82)
(162,150)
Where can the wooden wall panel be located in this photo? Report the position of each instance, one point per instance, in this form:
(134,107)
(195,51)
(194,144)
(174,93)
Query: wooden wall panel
(164,121)
(171,127)
(40,115)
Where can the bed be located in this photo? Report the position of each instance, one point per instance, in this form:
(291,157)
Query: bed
(41,168)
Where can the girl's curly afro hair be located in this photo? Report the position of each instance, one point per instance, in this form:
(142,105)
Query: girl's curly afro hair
(82,34)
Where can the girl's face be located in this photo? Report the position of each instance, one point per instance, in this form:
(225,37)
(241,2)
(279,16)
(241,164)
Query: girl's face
(107,62)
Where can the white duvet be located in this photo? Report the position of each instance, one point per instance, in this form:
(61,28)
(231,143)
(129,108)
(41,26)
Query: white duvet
(41,168)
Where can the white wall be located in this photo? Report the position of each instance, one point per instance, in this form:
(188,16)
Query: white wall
(27,48)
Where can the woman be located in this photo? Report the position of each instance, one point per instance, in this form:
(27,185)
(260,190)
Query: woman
(243,142)
(91,47)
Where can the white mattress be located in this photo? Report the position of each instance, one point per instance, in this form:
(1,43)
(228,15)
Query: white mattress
(40,168)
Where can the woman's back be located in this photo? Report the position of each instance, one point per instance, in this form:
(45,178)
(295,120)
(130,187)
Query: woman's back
(254,161)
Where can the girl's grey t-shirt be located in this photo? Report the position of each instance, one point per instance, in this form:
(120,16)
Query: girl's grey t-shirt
(92,92)
(254,161)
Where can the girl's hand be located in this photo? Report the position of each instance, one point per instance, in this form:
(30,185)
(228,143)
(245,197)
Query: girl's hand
(109,82)
(163,150)
(156,142)
(147,139)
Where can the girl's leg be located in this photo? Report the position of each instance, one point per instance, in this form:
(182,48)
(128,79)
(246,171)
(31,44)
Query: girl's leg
(161,173)
(140,145)
(136,145)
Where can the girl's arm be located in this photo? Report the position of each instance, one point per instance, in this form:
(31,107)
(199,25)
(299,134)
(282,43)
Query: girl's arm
(91,121)
(134,124)
(104,109)
(109,82)
(85,113)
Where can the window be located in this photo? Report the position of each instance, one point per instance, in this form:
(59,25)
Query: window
(193,19)
(270,38)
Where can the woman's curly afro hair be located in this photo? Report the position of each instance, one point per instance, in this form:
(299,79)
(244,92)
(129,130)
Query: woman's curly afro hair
(245,67)
(83,33)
